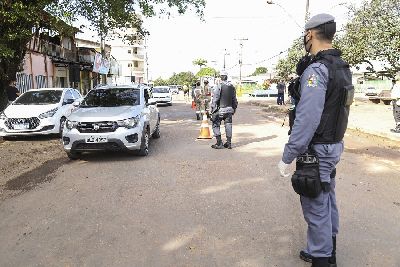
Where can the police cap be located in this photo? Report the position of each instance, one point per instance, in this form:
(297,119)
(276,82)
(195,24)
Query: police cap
(318,20)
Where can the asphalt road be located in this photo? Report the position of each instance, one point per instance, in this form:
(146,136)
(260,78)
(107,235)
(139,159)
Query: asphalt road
(188,205)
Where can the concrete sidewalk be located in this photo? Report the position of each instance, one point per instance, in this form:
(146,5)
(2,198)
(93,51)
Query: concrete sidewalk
(376,119)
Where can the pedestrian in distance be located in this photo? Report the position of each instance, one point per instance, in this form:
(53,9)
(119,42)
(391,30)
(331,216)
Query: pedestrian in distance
(281,93)
(395,94)
(323,95)
(223,107)
(12,91)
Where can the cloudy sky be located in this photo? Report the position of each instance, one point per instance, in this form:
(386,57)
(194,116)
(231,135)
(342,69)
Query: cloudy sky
(176,41)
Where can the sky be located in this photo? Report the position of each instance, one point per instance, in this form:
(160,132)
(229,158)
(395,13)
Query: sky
(269,30)
(176,41)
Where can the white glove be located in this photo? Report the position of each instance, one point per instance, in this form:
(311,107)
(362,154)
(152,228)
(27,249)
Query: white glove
(283,169)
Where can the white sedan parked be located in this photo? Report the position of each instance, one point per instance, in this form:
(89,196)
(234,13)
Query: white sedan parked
(38,111)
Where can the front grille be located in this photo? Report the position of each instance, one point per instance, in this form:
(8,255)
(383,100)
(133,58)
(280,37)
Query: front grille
(98,146)
(32,122)
(97,127)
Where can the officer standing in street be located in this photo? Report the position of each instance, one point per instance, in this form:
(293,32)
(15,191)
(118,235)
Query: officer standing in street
(197,95)
(207,95)
(325,95)
(395,94)
(223,107)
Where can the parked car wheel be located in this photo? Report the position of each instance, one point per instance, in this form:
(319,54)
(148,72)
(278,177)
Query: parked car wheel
(157,133)
(144,149)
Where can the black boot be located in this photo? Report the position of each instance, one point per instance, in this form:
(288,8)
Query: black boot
(320,262)
(228,143)
(332,259)
(396,129)
(219,144)
(305,256)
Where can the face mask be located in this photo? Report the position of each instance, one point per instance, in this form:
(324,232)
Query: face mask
(305,42)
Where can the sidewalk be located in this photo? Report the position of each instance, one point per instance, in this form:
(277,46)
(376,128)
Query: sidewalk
(376,119)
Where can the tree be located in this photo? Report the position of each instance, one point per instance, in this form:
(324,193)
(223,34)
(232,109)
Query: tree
(287,66)
(200,62)
(373,33)
(207,71)
(17,20)
(182,78)
(160,82)
(19,17)
(260,70)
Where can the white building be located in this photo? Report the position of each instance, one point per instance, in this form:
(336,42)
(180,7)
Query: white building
(131,57)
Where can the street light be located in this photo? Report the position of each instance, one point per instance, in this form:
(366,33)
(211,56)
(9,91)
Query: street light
(270,2)
(225,54)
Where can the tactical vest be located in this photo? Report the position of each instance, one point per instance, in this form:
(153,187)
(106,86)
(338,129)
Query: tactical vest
(339,96)
(227,94)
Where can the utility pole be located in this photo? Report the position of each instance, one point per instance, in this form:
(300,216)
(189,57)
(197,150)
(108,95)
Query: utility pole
(146,57)
(241,60)
(225,54)
(307,10)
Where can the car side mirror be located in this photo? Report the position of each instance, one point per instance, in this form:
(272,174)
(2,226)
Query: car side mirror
(76,103)
(68,102)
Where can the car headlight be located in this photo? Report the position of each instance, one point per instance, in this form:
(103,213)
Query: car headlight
(129,123)
(71,124)
(3,116)
(48,114)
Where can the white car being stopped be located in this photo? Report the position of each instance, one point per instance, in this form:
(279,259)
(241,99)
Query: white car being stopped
(116,118)
(162,95)
(38,112)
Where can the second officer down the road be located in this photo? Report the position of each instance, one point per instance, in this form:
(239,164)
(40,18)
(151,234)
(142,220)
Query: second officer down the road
(223,107)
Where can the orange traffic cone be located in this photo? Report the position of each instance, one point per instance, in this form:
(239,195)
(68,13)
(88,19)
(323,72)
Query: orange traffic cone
(204,130)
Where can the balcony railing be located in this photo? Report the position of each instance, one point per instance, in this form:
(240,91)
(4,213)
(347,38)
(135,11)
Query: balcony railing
(45,47)
(137,57)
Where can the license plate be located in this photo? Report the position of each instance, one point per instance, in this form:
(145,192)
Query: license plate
(22,126)
(96,139)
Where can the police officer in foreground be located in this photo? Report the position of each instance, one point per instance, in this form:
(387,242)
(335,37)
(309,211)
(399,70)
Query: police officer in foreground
(324,95)
(223,107)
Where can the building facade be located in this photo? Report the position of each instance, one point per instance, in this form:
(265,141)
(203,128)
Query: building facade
(131,57)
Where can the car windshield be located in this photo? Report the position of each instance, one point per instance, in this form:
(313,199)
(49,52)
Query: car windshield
(160,90)
(112,97)
(44,97)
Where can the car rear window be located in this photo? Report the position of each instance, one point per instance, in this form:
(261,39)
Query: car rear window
(114,97)
(44,97)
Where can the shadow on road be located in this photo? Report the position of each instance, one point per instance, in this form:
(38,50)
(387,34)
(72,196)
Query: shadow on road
(254,140)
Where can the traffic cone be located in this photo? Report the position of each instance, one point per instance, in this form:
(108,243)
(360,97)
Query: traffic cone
(204,130)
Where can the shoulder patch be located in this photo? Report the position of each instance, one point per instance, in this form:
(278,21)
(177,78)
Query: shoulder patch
(312,80)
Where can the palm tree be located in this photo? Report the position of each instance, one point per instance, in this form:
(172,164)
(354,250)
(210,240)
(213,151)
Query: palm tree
(200,62)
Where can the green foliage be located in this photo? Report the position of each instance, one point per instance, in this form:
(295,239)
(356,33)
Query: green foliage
(287,66)
(260,70)
(182,78)
(207,71)
(19,17)
(160,82)
(199,62)
(373,33)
